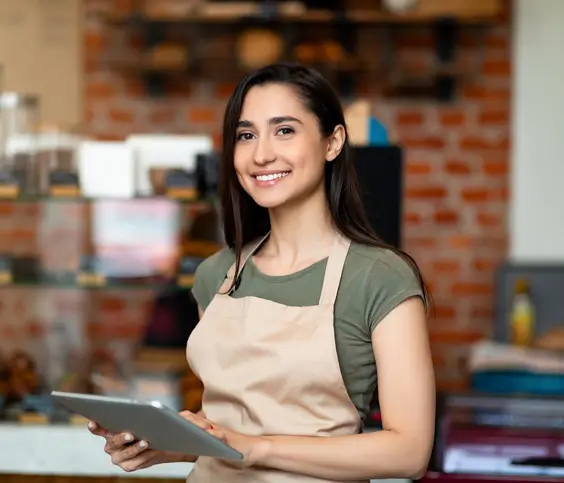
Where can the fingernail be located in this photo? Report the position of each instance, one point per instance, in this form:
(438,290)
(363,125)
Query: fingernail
(128,437)
(142,444)
(91,425)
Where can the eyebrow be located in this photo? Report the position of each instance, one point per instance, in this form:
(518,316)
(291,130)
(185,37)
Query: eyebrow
(272,121)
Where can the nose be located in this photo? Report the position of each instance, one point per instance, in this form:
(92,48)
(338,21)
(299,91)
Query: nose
(264,154)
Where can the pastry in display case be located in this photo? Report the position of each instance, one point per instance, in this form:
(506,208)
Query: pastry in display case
(23,378)
(106,375)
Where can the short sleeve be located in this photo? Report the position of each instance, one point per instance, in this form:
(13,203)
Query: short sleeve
(391,281)
(210,275)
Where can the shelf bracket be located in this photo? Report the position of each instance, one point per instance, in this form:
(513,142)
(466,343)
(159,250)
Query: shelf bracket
(447,40)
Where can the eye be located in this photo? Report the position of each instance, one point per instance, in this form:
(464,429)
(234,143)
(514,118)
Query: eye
(285,131)
(244,136)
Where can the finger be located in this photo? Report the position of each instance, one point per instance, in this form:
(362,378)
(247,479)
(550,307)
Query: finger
(129,452)
(218,433)
(145,460)
(118,442)
(123,439)
(96,429)
(198,421)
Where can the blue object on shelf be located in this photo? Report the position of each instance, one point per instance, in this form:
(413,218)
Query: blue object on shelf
(518,382)
(377,133)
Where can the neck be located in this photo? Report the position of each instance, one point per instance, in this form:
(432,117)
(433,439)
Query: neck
(302,231)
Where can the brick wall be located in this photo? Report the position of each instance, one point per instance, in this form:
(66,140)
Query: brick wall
(456,175)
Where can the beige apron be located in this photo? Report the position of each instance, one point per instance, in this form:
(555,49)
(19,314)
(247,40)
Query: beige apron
(271,369)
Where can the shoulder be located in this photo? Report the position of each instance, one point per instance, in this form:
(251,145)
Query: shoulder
(210,274)
(383,279)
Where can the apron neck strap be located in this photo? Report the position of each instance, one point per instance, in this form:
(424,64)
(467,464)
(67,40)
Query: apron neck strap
(247,252)
(334,270)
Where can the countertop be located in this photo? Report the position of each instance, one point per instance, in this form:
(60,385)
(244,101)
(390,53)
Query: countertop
(65,450)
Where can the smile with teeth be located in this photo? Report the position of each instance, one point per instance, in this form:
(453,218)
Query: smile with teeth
(272,176)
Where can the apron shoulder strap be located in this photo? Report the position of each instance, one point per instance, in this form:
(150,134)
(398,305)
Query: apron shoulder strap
(334,270)
(247,252)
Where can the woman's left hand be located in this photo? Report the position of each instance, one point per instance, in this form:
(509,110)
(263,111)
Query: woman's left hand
(251,447)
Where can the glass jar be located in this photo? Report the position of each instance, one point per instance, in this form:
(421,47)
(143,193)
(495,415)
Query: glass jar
(19,119)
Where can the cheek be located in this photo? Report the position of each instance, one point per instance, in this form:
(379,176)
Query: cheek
(239,159)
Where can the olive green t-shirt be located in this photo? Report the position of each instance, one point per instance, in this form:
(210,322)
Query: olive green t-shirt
(374,281)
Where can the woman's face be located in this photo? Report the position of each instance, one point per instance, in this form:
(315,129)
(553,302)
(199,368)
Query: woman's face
(280,153)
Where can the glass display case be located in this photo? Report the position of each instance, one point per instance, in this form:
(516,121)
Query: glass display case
(95,297)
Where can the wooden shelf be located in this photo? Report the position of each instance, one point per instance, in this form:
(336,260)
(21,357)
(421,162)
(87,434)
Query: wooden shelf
(476,11)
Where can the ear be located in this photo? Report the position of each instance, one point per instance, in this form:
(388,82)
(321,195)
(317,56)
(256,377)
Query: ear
(336,143)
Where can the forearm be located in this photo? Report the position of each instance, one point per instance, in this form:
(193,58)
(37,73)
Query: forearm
(382,454)
(185,458)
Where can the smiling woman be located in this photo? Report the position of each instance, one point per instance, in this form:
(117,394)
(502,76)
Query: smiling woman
(305,311)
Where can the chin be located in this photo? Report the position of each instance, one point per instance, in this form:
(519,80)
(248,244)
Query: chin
(269,202)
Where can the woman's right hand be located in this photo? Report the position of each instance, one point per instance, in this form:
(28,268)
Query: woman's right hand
(131,455)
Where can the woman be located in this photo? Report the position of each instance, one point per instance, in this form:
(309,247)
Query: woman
(302,307)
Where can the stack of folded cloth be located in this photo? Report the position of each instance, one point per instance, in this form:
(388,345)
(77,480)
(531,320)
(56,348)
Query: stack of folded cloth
(536,370)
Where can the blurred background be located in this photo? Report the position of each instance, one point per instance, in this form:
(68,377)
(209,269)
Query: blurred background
(110,119)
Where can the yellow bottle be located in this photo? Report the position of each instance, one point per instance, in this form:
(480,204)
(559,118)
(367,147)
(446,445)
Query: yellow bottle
(522,315)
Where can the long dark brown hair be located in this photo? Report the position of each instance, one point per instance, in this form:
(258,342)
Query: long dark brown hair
(243,219)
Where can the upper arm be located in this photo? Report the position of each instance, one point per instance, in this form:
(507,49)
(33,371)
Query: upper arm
(406,383)
(210,275)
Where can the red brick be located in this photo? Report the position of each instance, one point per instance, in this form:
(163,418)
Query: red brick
(457,167)
(6,208)
(452,118)
(496,168)
(482,265)
(134,87)
(452,386)
(471,288)
(427,192)
(202,115)
(410,118)
(495,40)
(121,116)
(424,142)
(491,117)
(112,304)
(163,116)
(460,241)
(446,266)
(224,90)
(100,90)
(479,143)
(444,312)
(446,217)
(456,337)
(88,115)
(481,313)
(497,68)
(478,195)
(135,41)
(108,136)
(94,42)
(412,218)
(123,7)
(421,242)
(415,167)
(488,219)
(178,88)
(439,360)
(483,93)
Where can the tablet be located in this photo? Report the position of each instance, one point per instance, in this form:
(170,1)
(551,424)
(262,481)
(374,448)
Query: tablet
(160,426)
